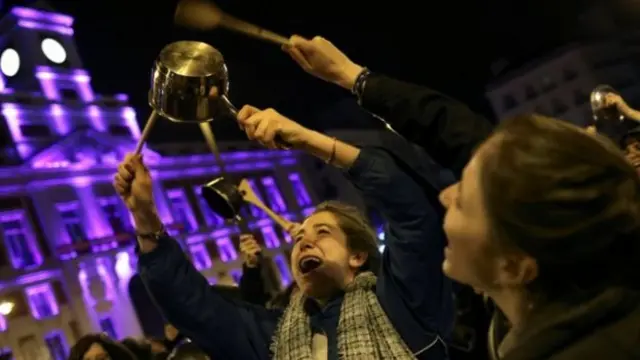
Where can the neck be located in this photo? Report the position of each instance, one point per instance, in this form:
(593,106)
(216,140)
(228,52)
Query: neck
(512,303)
(322,302)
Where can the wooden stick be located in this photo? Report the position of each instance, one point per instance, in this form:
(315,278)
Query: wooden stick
(205,15)
(251,197)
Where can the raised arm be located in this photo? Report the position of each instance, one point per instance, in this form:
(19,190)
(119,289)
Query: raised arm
(252,283)
(447,129)
(222,327)
(412,275)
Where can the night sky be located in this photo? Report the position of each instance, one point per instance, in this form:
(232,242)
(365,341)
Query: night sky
(447,45)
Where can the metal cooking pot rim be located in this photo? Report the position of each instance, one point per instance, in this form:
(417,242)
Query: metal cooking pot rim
(191,59)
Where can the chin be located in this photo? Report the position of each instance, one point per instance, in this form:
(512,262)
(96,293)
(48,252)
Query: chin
(449,271)
(317,285)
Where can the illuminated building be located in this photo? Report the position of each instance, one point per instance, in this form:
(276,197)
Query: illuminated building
(67,256)
(559,84)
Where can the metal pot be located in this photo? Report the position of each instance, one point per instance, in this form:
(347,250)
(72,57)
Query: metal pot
(223,197)
(182,80)
(608,120)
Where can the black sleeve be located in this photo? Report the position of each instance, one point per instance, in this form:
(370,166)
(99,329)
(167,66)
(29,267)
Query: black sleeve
(252,285)
(447,129)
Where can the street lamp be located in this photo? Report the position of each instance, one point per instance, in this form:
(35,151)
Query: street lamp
(6,307)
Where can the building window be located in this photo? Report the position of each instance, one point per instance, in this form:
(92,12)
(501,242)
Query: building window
(509,102)
(106,325)
(226,250)
(69,94)
(300,190)
(236,275)
(579,97)
(256,213)
(569,74)
(56,345)
(119,130)
(35,131)
(558,107)
(72,222)
(116,214)
(42,301)
(3,326)
(200,257)
(274,196)
(6,353)
(283,268)
(181,210)
(19,243)
(212,219)
(623,83)
(270,237)
(540,110)
(530,92)
(548,84)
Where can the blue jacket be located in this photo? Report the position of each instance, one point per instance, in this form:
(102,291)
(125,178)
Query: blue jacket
(411,287)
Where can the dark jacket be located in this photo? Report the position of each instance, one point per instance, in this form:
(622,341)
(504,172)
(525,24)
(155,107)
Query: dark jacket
(252,284)
(445,128)
(411,287)
(605,327)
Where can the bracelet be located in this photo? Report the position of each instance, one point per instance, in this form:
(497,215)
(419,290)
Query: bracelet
(333,152)
(155,236)
(359,84)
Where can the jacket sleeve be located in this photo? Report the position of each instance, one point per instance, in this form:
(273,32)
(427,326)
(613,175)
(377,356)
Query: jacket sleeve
(447,129)
(252,285)
(224,328)
(411,273)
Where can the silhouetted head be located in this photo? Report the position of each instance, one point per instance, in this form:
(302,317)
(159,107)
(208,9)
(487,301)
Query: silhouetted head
(141,349)
(99,347)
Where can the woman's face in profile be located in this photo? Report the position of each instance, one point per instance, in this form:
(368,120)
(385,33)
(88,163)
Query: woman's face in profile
(466,255)
(96,352)
(472,256)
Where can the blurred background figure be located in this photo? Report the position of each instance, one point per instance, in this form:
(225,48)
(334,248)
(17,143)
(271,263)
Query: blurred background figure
(145,349)
(253,286)
(99,347)
(256,285)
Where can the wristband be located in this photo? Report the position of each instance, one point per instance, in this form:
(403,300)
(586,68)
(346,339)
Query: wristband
(359,84)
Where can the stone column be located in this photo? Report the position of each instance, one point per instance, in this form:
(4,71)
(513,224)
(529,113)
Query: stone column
(164,210)
(122,269)
(95,222)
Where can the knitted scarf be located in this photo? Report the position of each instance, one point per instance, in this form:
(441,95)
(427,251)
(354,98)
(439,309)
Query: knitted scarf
(364,330)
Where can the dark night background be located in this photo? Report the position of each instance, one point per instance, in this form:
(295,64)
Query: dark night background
(447,45)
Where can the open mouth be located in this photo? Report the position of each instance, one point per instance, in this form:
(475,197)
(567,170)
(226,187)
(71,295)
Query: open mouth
(309,263)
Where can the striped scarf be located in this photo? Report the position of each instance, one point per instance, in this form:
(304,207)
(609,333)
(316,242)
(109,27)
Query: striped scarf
(364,330)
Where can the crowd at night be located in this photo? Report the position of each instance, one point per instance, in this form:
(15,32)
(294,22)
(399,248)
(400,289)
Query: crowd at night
(192,180)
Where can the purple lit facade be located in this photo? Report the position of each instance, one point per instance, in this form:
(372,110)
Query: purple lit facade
(66,250)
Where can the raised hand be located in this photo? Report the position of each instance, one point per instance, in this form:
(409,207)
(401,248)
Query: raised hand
(250,250)
(133,184)
(267,126)
(320,58)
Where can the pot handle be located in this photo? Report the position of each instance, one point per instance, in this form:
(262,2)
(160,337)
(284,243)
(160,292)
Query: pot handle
(234,111)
